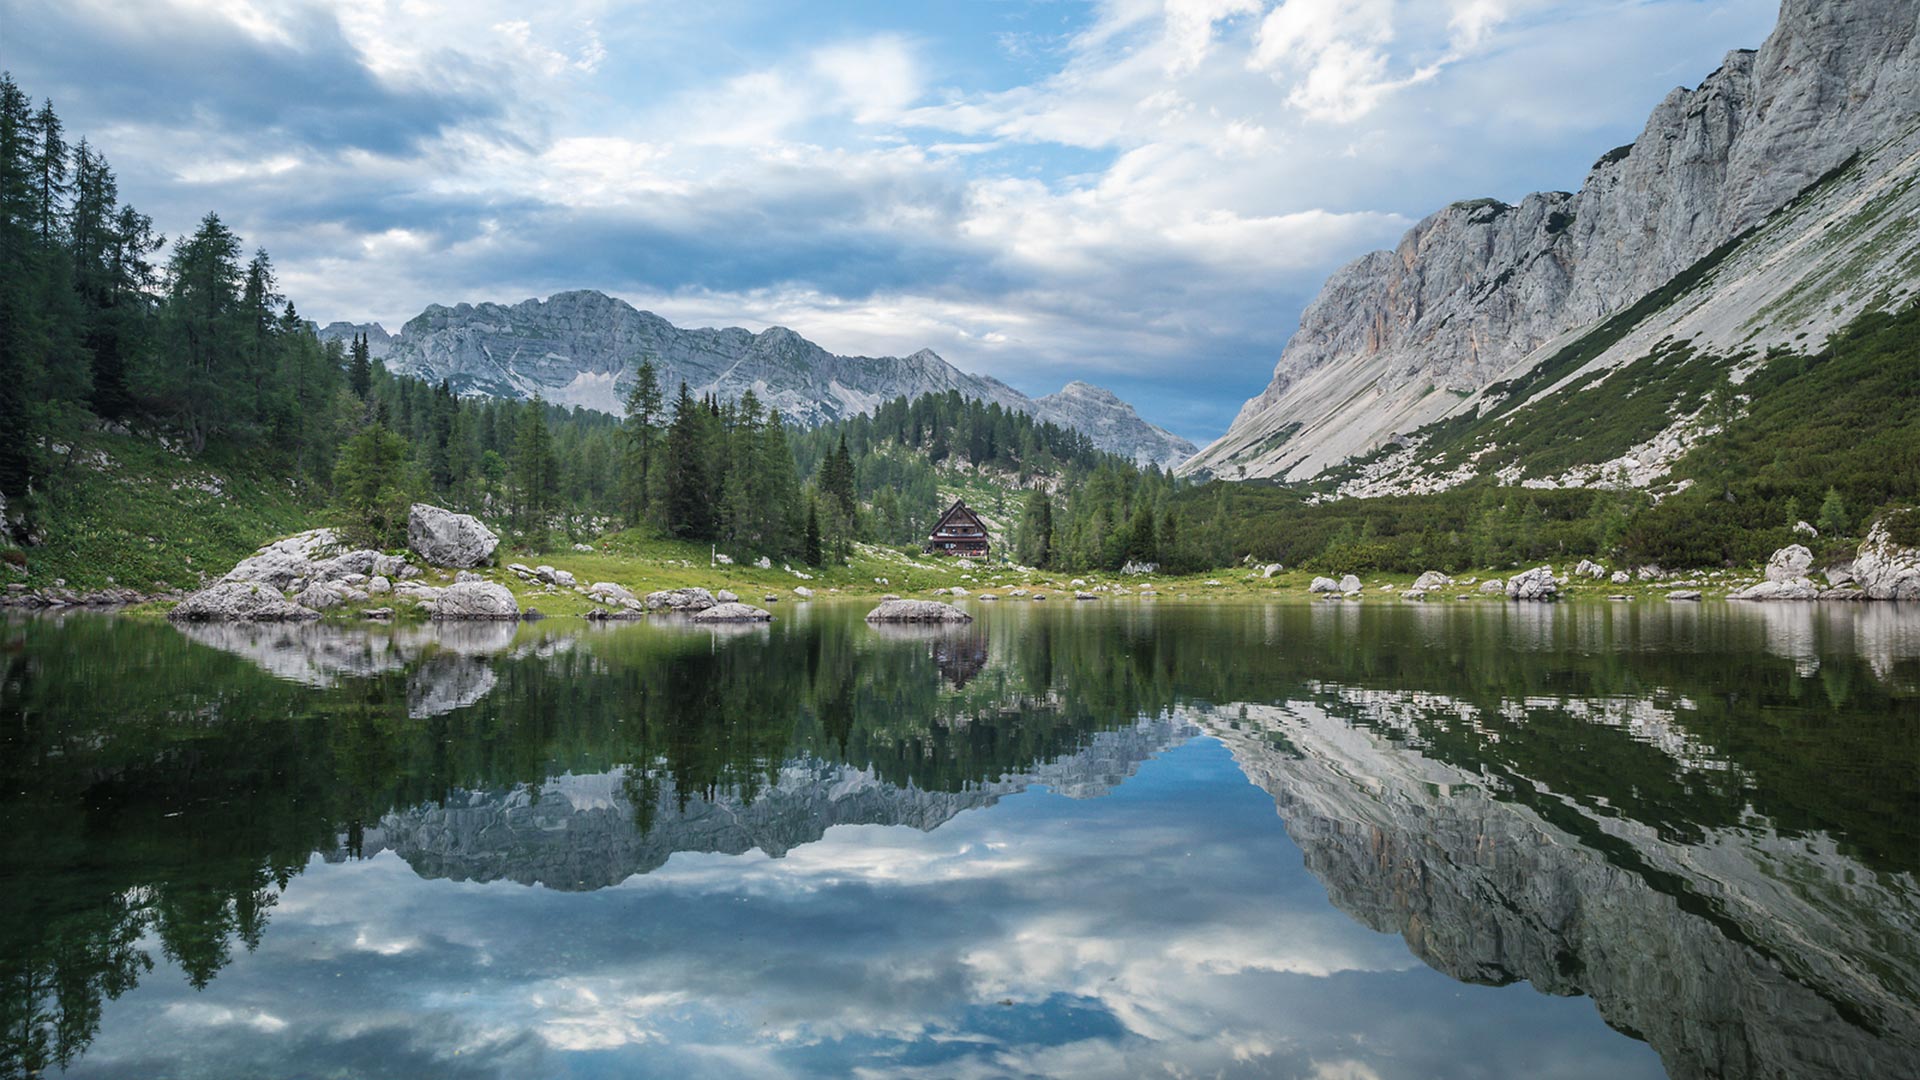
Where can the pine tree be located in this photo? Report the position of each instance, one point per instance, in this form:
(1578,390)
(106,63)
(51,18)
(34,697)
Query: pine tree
(811,550)
(360,368)
(1834,521)
(644,413)
(536,474)
(370,489)
(689,505)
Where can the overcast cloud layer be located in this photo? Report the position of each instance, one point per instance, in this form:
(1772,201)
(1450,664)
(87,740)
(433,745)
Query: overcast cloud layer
(1141,193)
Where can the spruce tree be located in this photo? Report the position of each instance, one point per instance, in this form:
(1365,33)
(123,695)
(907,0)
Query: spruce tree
(689,505)
(360,368)
(644,413)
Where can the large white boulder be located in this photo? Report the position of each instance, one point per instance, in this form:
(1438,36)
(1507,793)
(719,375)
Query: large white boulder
(1790,563)
(1535,584)
(475,600)
(1431,580)
(732,611)
(693,599)
(1493,585)
(444,538)
(284,562)
(925,611)
(1796,589)
(1324,585)
(1349,584)
(1590,569)
(1886,570)
(239,601)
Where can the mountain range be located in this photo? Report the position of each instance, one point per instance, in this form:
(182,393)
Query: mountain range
(1762,210)
(582,347)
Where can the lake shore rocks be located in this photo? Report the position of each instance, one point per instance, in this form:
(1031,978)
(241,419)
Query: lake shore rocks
(444,538)
(1537,584)
(687,600)
(1790,563)
(1884,569)
(916,611)
(475,600)
(733,612)
(239,601)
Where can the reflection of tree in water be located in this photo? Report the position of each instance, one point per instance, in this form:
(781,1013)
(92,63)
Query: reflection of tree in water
(154,785)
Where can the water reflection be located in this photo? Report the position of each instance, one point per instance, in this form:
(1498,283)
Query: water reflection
(1702,817)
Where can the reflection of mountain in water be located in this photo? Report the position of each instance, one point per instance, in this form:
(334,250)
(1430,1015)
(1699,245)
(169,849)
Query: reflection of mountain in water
(588,832)
(1744,953)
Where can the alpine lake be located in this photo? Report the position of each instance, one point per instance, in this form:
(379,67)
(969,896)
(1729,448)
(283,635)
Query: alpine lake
(1335,840)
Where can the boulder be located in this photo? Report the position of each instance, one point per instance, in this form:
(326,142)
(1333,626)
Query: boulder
(379,585)
(726,596)
(1431,580)
(476,600)
(1535,584)
(1083,595)
(917,611)
(1886,570)
(284,562)
(1140,568)
(1621,577)
(1684,594)
(1790,563)
(467,575)
(1840,574)
(1843,593)
(239,601)
(608,593)
(1271,569)
(690,599)
(1324,585)
(1493,585)
(1349,584)
(321,596)
(444,538)
(803,592)
(1796,589)
(732,611)
(1807,530)
(763,563)
(583,548)
(1590,569)
(388,566)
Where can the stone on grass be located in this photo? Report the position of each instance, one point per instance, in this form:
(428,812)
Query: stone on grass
(1432,580)
(1535,584)
(688,599)
(1790,563)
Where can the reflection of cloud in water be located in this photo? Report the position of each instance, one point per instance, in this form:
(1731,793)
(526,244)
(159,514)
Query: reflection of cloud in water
(1167,928)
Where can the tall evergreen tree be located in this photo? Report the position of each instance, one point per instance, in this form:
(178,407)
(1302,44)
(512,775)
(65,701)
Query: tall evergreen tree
(360,368)
(689,506)
(644,414)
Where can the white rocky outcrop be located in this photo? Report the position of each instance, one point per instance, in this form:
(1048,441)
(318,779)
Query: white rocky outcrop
(1790,563)
(444,538)
(1886,570)
(475,600)
(689,599)
(916,611)
(1535,584)
(734,612)
(239,601)
(1431,580)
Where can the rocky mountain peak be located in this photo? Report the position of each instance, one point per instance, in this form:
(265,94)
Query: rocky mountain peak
(1397,340)
(580,347)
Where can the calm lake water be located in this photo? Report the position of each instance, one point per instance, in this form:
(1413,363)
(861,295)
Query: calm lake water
(1335,841)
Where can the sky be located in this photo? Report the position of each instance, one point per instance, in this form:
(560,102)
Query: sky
(1140,193)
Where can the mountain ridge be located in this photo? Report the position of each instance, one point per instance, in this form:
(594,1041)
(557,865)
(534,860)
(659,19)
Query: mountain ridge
(1483,291)
(580,346)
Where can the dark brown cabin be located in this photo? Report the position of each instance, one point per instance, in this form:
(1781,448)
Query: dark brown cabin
(959,532)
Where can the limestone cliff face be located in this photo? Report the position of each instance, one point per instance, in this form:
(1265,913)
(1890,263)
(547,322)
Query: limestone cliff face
(584,832)
(581,348)
(1744,953)
(1399,339)
(379,342)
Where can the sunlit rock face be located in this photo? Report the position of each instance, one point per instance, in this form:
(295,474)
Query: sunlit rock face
(592,831)
(581,348)
(1744,952)
(1482,290)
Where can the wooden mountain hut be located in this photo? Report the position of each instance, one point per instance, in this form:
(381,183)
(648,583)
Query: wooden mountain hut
(959,532)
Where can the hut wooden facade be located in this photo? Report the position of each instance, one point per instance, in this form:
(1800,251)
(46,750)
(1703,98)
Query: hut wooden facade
(959,532)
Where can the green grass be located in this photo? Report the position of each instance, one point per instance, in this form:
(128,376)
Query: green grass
(143,516)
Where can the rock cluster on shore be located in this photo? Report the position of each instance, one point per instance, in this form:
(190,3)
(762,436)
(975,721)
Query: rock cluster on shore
(916,611)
